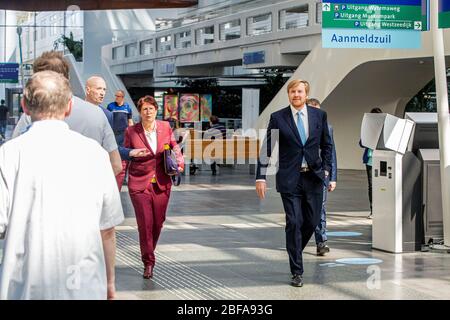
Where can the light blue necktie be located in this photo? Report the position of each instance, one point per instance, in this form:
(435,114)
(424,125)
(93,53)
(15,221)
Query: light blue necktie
(301,128)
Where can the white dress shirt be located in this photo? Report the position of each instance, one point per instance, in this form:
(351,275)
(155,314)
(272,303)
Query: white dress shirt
(152,139)
(304,116)
(52,207)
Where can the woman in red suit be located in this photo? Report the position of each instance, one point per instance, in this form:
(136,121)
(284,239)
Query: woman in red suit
(148,184)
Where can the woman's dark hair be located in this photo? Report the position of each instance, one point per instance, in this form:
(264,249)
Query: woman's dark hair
(376,110)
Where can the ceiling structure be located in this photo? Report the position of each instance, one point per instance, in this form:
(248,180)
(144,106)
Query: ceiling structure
(62,5)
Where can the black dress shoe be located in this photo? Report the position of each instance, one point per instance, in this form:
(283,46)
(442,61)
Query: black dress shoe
(297,280)
(322,249)
(148,272)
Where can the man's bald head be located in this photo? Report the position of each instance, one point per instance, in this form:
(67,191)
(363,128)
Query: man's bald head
(47,95)
(95,90)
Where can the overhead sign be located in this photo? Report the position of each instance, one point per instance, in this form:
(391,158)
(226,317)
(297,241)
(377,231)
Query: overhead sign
(444,13)
(372,23)
(375,39)
(254,57)
(372,14)
(9,73)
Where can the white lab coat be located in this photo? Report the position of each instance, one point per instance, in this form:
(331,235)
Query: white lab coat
(57,191)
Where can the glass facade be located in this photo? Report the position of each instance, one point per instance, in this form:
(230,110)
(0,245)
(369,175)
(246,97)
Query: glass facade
(183,40)
(164,43)
(146,47)
(259,24)
(130,50)
(204,35)
(230,30)
(293,18)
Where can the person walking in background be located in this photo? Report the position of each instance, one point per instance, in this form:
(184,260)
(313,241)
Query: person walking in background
(320,233)
(58,207)
(4,112)
(95,94)
(304,165)
(121,116)
(148,184)
(367,160)
(216,131)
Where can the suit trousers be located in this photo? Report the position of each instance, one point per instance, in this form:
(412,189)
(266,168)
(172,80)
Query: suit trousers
(303,208)
(150,207)
(321,230)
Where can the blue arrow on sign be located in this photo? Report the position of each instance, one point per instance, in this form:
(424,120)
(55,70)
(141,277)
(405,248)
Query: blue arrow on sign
(344,7)
(336,15)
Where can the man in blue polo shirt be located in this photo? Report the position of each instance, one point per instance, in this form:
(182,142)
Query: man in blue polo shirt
(121,112)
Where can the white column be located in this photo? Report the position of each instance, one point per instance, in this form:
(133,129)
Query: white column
(443,116)
(8,43)
(250,111)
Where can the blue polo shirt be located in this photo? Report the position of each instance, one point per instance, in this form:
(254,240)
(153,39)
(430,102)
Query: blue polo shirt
(121,115)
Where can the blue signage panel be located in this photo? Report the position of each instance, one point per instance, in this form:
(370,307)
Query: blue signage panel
(341,36)
(444,13)
(9,73)
(254,57)
(375,39)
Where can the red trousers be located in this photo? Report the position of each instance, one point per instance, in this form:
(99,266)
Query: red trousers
(150,207)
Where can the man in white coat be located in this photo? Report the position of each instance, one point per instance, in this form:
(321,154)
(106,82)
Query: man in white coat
(59,204)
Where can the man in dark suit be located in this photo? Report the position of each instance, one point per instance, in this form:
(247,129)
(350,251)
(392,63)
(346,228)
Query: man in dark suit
(305,151)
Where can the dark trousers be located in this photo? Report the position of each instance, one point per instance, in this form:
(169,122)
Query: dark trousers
(321,230)
(214,167)
(120,137)
(302,208)
(2,127)
(369,180)
(150,207)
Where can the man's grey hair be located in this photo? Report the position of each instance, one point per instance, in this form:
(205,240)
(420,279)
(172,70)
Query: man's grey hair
(47,93)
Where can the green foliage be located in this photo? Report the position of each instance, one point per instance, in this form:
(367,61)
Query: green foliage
(75,47)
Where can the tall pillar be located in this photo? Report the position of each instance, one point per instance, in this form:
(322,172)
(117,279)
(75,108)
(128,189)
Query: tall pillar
(8,43)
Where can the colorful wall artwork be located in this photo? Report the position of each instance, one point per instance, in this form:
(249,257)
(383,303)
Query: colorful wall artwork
(170,106)
(206,106)
(189,107)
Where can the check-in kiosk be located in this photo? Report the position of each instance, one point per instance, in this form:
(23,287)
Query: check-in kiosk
(395,182)
(425,144)
(405,186)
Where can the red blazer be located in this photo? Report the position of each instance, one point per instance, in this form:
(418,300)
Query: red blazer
(142,170)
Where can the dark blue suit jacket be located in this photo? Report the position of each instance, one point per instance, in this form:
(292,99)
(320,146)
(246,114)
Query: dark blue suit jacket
(317,150)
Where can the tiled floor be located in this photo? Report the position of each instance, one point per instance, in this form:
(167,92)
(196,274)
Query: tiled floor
(220,242)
